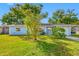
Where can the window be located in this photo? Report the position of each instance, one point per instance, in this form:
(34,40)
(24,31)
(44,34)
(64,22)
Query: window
(17,29)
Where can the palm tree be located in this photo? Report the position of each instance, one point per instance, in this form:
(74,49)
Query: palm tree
(57,16)
(60,16)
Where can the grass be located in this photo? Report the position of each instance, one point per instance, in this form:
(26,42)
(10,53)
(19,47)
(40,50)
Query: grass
(46,46)
(75,35)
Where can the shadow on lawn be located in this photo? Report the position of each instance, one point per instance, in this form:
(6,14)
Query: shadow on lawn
(56,48)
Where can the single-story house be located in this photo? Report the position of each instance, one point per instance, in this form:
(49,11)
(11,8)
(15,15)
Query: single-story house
(21,30)
(13,29)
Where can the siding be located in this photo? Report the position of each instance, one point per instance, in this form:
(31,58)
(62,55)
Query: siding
(67,30)
(12,31)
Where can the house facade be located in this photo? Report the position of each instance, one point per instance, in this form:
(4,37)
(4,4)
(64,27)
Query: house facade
(17,30)
(21,29)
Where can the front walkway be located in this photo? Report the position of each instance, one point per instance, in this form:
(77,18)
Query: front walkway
(72,38)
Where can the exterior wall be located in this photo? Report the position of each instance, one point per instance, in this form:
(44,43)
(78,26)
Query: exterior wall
(12,31)
(23,31)
(77,32)
(47,31)
(67,30)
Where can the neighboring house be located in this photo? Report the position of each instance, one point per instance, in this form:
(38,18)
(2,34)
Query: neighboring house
(21,30)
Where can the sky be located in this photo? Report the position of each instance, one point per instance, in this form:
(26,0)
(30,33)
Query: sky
(47,7)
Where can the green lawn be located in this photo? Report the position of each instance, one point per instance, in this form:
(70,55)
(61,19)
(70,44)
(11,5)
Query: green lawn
(20,46)
(75,35)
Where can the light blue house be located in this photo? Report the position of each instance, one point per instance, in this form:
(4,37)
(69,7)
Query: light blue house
(21,29)
(17,30)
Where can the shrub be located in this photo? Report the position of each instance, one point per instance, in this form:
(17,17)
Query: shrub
(58,32)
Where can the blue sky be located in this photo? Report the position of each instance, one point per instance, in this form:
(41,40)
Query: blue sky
(50,8)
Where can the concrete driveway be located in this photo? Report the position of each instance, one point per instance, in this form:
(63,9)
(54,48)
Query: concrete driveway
(72,38)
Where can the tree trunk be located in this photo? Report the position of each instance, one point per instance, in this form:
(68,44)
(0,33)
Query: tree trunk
(35,37)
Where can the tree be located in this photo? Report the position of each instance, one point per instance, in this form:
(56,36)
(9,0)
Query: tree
(63,17)
(57,16)
(28,14)
(10,18)
(15,16)
(70,17)
(32,22)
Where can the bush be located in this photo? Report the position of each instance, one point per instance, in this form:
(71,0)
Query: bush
(58,32)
